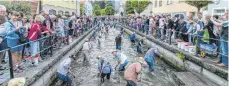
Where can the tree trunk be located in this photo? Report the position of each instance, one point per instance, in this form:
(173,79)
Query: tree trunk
(198,9)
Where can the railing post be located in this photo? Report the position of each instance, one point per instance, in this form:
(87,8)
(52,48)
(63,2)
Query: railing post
(11,63)
(170,32)
(197,43)
(68,37)
(23,51)
(51,44)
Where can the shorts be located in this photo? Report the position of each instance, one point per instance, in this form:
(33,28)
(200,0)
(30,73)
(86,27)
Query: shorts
(106,74)
(130,83)
(122,66)
(139,49)
(12,43)
(60,33)
(70,32)
(3,45)
(34,47)
(132,41)
(64,78)
(66,32)
(118,47)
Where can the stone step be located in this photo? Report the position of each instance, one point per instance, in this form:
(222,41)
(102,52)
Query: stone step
(190,79)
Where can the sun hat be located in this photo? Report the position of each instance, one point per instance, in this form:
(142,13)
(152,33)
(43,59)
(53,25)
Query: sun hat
(141,60)
(98,57)
(17,81)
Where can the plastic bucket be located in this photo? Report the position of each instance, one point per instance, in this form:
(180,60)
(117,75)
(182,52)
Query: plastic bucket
(191,49)
(179,42)
(182,45)
(186,47)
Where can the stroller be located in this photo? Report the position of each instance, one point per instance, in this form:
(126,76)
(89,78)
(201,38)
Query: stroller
(204,46)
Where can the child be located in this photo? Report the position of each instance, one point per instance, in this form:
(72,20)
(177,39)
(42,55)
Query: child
(100,64)
(99,41)
(106,71)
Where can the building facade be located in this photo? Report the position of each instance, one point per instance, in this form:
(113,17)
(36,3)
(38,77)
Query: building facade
(88,8)
(172,7)
(62,7)
(219,7)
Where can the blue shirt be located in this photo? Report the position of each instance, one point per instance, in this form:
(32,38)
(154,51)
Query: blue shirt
(201,23)
(10,31)
(107,68)
(132,37)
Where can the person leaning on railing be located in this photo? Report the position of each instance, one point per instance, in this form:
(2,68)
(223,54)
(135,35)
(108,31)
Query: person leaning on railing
(36,30)
(13,39)
(3,43)
(223,40)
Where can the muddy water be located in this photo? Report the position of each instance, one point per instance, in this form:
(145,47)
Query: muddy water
(86,75)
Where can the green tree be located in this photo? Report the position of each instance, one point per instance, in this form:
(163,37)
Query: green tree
(102,4)
(23,7)
(198,4)
(81,9)
(103,12)
(138,5)
(96,10)
(109,10)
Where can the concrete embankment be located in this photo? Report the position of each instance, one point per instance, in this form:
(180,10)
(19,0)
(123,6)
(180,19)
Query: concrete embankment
(48,77)
(42,75)
(190,63)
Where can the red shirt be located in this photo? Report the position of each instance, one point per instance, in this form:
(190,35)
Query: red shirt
(36,30)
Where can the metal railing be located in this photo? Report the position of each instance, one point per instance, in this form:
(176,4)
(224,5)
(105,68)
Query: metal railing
(46,45)
(201,48)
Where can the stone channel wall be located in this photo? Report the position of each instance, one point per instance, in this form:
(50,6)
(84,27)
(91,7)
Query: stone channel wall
(48,77)
(192,63)
(43,74)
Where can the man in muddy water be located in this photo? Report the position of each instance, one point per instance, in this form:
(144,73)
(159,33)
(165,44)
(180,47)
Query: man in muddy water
(122,60)
(86,51)
(140,46)
(132,38)
(133,72)
(150,57)
(106,72)
(63,70)
(118,42)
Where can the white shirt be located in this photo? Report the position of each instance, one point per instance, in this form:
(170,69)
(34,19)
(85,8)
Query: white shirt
(161,23)
(64,66)
(123,58)
(87,46)
(151,21)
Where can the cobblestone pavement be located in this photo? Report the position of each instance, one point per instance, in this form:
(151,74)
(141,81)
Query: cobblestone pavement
(88,75)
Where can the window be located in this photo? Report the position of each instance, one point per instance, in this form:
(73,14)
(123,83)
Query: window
(66,13)
(155,3)
(169,2)
(52,12)
(220,10)
(160,3)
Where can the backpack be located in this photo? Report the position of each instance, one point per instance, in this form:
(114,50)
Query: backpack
(107,66)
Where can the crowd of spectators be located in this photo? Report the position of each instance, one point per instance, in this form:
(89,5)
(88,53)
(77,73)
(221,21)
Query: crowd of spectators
(29,37)
(209,30)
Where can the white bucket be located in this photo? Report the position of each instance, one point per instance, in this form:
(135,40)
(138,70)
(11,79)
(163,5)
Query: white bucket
(182,45)
(70,39)
(191,49)
(179,44)
(186,48)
